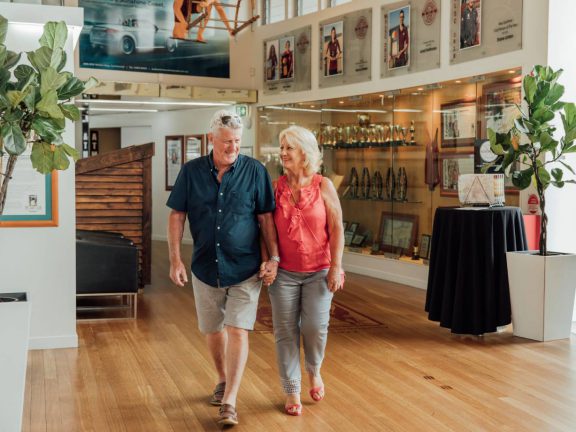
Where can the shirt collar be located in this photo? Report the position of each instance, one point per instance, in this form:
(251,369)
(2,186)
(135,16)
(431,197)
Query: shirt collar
(213,168)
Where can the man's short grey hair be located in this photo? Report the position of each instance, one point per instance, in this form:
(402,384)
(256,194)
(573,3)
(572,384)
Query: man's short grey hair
(305,140)
(225,119)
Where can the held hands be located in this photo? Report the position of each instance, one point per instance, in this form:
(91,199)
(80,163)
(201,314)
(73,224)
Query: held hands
(178,273)
(268,271)
(335,279)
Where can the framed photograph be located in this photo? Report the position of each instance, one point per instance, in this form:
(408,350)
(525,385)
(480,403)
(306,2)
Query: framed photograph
(458,124)
(287,58)
(174,159)
(451,166)
(399,38)
(193,147)
(358,240)
(209,146)
(425,243)
(397,232)
(345,225)
(333,48)
(353,227)
(348,236)
(271,62)
(32,199)
(470,23)
(500,103)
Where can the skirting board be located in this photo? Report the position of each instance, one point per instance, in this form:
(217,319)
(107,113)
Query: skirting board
(53,342)
(404,272)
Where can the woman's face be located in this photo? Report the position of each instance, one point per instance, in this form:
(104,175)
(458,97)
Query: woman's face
(333,34)
(291,156)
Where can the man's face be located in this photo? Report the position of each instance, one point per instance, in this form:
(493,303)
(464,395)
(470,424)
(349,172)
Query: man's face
(226,143)
(469,4)
(402,17)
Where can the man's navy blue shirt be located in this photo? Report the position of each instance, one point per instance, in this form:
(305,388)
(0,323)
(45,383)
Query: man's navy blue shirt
(223,217)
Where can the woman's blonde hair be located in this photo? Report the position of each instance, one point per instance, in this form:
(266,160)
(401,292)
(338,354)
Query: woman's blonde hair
(305,140)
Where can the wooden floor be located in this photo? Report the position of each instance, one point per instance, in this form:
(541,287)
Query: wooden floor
(155,374)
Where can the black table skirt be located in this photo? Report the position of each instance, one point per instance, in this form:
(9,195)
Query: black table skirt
(468,279)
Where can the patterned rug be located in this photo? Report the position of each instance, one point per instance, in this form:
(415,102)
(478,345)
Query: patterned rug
(342,318)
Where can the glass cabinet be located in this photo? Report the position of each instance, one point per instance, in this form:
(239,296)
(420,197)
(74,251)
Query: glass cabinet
(395,156)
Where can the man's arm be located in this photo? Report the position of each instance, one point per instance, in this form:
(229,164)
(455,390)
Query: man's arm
(176,222)
(269,237)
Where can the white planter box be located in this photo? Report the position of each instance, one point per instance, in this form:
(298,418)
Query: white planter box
(541,294)
(14,334)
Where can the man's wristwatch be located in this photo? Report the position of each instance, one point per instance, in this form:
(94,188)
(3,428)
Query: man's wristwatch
(275,258)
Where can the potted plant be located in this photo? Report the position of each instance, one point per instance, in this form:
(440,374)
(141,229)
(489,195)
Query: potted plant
(34,105)
(532,153)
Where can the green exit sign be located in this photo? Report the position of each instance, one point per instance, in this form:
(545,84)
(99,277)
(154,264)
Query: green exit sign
(242,110)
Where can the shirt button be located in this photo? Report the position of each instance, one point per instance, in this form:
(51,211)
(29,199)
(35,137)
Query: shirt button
(216,260)
(217,227)
(218,244)
(219,210)
(221,193)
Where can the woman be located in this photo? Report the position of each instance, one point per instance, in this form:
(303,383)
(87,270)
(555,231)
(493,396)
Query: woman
(308,219)
(333,53)
(287,60)
(271,64)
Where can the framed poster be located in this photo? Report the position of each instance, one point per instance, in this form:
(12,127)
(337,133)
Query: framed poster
(333,48)
(458,124)
(174,159)
(193,147)
(399,37)
(287,57)
(500,102)
(425,243)
(271,63)
(397,232)
(451,166)
(209,145)
(32,199)
(470,23)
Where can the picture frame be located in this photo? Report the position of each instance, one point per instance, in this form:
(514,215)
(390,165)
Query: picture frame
(348,236)
(451,166)
(174,146)
(345,225)
(271,60)
(333,52)
(425,244)
(286,47)
(36,200)
(458,124)
(358,240)
(194,147)
(397,232)
(209,146)
(396,36)
(353,227)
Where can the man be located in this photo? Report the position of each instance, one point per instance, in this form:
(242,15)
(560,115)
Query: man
(401,58)
(228,199)
(469,26)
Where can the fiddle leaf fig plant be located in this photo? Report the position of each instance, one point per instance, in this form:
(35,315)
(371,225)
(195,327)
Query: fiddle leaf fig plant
(533,153)
(35,101)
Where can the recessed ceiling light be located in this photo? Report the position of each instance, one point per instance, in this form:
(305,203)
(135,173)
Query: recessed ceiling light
(312,106)
(420,88)
(511,71)
(458,81)
(341,102)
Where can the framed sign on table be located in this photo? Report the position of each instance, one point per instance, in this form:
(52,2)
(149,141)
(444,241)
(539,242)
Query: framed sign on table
(194,147)
(32,199)
(174,159)
(458,124)
(452,165)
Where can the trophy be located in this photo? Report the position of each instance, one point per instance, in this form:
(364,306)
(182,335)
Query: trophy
(348,135)
(403,131)
(386,133)
(402,184)
(379,134)
(353,183)
(390,184)
(412,131)
(376,187)
(391,128)
(339,136)
(365,184)
(398,131)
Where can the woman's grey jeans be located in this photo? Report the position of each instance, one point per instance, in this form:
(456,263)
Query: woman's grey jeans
(300,306)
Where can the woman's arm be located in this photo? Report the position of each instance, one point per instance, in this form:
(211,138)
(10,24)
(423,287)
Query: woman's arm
(335,233)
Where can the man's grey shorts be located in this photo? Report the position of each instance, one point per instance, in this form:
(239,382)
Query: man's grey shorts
(234,305)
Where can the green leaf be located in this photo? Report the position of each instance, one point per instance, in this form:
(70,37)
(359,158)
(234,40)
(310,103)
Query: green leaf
(544,177)
(529,88)
(49,105)
(568,167)
(70,111)
(61,161)
(555,94)
(30,99)
(16,96)
(13,139)
(3,54)
(3,29)
(90,82)
(543,114)
(62,62)
(42,157)
(70,151)
(40,59)
(56,58)
(522,179)
(51,80)
(4,77)
(22,72)
(48,129)
(557,173)
(13,116)
(55,34)
(520,125)
(73,87)
(12,58)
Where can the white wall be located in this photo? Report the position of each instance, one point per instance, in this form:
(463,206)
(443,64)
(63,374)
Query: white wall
(131,135)
(42,261)
(162,124)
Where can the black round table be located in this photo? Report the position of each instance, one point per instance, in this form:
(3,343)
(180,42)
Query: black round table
(468,279)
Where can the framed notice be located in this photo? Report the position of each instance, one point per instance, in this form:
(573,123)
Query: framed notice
(333,37)
(458,124)
(451,166)
(397,232)
(399,37)
(32,199)
(271,71)
(174,159)
(287,57)
(193,147)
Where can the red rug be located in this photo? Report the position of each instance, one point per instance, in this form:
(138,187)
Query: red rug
(342,318)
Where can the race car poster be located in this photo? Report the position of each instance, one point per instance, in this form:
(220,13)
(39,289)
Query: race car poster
(126,36)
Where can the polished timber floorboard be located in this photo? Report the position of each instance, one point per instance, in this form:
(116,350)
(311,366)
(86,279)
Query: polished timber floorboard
(409,375)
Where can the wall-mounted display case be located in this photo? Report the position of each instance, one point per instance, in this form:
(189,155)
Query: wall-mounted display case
(395,156)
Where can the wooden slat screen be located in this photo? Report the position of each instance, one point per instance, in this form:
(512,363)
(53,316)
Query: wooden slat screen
(114,193)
